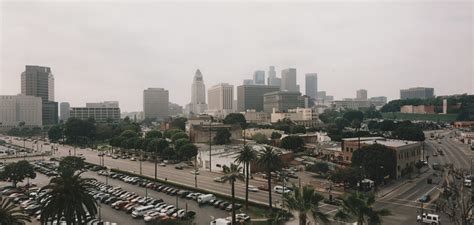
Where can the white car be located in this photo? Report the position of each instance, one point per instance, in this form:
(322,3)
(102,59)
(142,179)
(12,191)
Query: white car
(242,216)
(282,190)
(165,209)
(152,216)
(180,214)
(195,172)
(253,188)
(428,219)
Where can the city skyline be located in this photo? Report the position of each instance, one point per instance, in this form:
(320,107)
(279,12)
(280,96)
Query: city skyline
(424,45)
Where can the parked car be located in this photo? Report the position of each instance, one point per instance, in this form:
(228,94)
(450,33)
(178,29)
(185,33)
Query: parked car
(426,218)
(252,188)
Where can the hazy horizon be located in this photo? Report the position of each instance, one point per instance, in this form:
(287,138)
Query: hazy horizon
(101,51)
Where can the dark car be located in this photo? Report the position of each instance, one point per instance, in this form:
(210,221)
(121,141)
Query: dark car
(179,167)
(229,207)
(425,198)
(183,193)
(217,203)
(224,205)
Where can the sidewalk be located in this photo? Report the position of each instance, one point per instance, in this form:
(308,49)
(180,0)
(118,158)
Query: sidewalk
(387,189)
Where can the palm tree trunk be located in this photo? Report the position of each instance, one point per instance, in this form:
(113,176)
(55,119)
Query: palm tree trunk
(233,203)
(247,185)
(302,217)
(269,180)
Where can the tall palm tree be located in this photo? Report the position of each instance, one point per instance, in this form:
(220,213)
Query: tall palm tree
(11,214)
(68,197)
(246,156)
(231,175)
(305,200)
(358,206)
(269,160)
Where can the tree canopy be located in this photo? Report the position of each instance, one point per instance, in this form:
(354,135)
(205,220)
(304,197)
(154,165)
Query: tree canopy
(410,133)
(295,143)
(18,171)
(376,161)
(222,136)
(260,138)
(236,118)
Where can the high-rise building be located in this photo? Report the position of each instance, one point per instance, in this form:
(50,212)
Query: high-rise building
(16,110)
(247,82)
(381,99)
(250,97)
(281,101)
(156,103)
(64,109)
(311,82)
(288,80)
(39,81)
(101,112)
(417,92)
(221,97)
(175,109)
(259,77)
(361,94)
(198,94)
(273,80)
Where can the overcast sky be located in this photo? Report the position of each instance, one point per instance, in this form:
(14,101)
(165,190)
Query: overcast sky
(112,51)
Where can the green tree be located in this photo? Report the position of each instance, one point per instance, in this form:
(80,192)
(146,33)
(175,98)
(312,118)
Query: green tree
(129,134)
(153,134)
(358,206)
(222,136)
(270,161)
(78,131)
(410,133)
(168,153)
(73,163)
(236,118)
(352,115)
(305,201)
(275,135)
(329,116)
(349,176)
(187,151)
(260,138)
(295,143)
(231,175)
(318,167)
(373,125)
(104,131)
(180,142)
(157,145)
(179,122)
(372,113)
(18,171)
(169,133)
(68,197)
(298,129)
(387,125)
(376,161)
(55,133)
(179,136)
(341,123)
(246,156)
(11,214)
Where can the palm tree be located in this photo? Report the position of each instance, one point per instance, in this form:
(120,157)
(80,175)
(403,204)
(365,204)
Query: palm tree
(68,198)
(10,214)
(269,160)
(232,174)
(358,206)
(305,200)
(246,156)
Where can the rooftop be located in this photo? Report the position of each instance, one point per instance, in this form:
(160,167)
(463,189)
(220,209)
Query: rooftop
(390,142)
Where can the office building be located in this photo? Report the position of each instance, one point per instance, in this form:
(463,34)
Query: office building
(175,109)
(221,96)
(20,110)
(259,77)
(39,81)
(281,101)
(273,80)
(250,97)
(101,112)
(307,117)
(381,99)
(288,80)
(361,94)
(198,95)
(64,109)
(247,82)
(156,103)
(311,82)
(417,92)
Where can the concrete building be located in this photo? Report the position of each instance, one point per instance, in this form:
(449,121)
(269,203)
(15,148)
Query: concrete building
(351,104)
(250,97)
(254,116)
(101,112)
(221,96)
(259,77)
(133,116)
(407,152)
(247,82)
(155,103)
(39,81)
(197,120)
(418,109)
(381,99)
(417,92)
(311,82)
(198,95)
(175,109)
(64,111)
(273,80)
(249,133)
(288,80)
(307,117)
(281,101)
(200,133)
(361,95)
(15,109)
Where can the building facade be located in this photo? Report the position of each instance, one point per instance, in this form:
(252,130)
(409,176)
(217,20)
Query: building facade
(198,94)
(418,109)
(101,112)
(311,81)
(155,103)
(250,97)
(257,117)
(259,77)
(64,111)
(273,80)
(18,109)
(203,132)
(281,101)
(381,99)
(361,94)
(39,81)
(417,92)
(221,96)
(307,117)
(288,80)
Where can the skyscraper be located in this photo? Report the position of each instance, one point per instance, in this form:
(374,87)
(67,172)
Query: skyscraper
(311,82)
(273,80)
(251,96)
(64,111)
(155,103)
(221,97)
(259,77)
(361,94)
(288,80)
(247,82)
(39,81)
(417,92)
(198,94)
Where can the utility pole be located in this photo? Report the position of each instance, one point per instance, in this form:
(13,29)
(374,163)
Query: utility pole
(210,145)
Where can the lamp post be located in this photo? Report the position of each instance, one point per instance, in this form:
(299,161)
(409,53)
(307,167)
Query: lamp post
(210,145)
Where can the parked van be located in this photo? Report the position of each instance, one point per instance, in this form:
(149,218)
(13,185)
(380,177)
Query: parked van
(203,199)
(428,218)
(140,211)
(281,190)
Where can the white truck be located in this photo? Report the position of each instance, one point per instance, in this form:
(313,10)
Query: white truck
(427,218)
(203,199)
